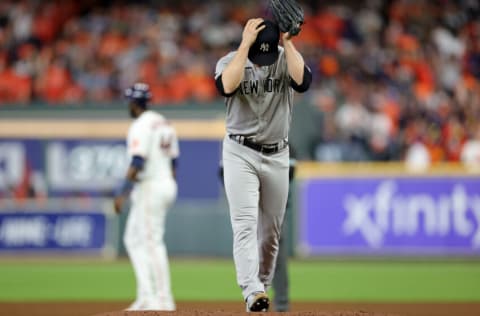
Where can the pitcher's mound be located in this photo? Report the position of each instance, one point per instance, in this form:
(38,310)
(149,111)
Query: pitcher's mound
(224,313)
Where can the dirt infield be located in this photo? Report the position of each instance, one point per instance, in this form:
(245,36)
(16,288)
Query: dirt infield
(237,308)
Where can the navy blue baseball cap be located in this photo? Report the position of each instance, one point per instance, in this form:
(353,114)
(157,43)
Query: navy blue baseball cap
(264,51)
(139,93)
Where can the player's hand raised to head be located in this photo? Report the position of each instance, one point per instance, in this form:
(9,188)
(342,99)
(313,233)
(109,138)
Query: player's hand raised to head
(251,30)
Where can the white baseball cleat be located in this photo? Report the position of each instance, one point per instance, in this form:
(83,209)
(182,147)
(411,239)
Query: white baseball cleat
(137,306)
(156,306)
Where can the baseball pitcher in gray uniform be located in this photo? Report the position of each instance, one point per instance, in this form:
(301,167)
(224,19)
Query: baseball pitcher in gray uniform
(258,81)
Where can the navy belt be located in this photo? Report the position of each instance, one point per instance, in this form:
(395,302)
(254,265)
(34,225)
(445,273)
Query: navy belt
(263,148)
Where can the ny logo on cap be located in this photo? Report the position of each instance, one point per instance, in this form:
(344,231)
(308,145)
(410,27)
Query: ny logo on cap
(264,47)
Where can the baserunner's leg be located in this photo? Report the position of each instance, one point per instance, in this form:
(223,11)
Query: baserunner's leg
(134,240)
(161,196)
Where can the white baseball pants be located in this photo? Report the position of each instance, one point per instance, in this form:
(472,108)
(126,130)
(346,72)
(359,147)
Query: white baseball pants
(145,244)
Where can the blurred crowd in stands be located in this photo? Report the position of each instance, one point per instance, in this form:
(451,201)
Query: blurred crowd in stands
(393,80)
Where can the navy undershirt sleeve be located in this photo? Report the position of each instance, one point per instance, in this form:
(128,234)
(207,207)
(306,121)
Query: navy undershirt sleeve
(307,80)
(221,89)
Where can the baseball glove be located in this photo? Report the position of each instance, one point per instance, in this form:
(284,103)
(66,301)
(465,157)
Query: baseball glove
(288,15)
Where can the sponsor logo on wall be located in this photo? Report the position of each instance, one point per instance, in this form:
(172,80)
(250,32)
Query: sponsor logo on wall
(388,211)
(54,231)
(12,164)
(39,168)
(400,215)
(85,166)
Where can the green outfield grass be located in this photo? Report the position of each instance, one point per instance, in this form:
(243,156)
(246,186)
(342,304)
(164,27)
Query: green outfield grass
(215,280)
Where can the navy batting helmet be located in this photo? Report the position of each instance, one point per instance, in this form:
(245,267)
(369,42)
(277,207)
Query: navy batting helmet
(139,93)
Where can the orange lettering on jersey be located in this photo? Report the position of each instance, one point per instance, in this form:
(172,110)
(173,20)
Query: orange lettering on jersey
(157,124)
(165,142)
(135,143)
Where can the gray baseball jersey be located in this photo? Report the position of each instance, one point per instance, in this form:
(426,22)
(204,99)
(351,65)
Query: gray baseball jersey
(262,104)
(256,183)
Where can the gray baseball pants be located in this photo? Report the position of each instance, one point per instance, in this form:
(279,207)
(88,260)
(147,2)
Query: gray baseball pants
(256,186)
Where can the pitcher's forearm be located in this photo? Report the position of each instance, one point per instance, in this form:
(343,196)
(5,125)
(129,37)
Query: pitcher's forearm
(295,62)
(234,72)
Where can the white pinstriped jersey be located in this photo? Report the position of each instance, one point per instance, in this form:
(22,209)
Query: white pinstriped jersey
(153,138)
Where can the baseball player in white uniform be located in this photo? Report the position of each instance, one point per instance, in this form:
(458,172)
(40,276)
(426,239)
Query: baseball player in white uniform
(150,181)
(258,81)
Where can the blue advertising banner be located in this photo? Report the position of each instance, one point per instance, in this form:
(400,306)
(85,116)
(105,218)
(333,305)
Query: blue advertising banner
(85,165)
(94,168)
(72,231)
(405,216)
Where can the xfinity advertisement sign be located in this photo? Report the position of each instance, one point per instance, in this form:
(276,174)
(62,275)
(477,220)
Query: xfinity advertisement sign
(404,216)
